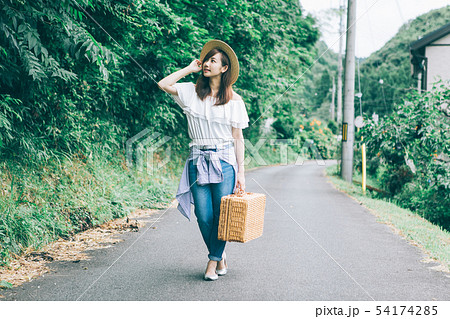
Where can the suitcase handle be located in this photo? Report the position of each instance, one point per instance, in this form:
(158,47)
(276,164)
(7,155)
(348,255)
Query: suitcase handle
(239,192)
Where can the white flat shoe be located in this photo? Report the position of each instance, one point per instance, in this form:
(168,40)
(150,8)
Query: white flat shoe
(223,272)
(211,278)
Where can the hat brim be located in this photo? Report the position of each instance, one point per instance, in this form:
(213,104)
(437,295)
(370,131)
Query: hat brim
(217,44)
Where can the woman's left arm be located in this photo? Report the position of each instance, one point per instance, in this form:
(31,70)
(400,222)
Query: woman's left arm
(239,148)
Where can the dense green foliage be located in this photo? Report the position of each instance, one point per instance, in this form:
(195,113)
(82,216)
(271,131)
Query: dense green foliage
(78,79)
(79,73)
(392,64)
(306,120)
(319,139)
(319,84)
(316,124)
(409,151)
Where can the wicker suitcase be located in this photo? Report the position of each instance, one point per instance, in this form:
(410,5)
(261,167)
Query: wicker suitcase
(241,217)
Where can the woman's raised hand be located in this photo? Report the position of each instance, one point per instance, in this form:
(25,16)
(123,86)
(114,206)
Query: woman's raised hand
(195,66)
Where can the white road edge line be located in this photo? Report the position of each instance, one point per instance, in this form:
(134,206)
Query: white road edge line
(329,255)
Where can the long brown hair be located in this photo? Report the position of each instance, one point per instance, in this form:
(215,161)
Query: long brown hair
(225,93)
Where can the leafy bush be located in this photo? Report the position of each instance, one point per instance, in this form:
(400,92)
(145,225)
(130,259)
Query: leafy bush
(413,145)
(314,135)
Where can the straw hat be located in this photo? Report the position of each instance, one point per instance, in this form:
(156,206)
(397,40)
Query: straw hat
(217,44)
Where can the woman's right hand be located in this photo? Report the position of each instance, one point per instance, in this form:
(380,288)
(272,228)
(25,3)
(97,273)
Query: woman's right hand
(195,66)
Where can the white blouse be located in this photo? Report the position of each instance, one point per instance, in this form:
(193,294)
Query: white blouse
(209,124)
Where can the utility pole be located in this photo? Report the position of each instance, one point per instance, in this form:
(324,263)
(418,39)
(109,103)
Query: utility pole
(339,79)
(333,93)
(348,127)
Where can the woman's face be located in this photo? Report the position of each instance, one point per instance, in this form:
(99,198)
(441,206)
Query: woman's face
(213,66)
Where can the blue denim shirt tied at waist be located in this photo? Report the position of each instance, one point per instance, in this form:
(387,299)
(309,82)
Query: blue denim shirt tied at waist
(209,170)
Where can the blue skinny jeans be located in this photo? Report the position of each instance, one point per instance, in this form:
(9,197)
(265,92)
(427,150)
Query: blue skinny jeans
(207,206)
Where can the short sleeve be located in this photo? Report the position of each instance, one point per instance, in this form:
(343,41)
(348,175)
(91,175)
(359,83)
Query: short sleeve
(239,116)
(186,91)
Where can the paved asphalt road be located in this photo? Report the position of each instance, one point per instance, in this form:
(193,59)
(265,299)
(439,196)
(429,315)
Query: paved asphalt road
(318,244)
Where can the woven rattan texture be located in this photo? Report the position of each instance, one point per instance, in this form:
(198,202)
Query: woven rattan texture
(241,217)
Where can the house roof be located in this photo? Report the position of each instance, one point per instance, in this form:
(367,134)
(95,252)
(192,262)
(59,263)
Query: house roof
(430,37)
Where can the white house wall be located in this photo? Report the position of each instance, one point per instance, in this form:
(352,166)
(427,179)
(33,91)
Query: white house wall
(438,61)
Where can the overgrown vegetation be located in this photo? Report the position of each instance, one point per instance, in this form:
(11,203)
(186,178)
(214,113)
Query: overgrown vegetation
(305,121)
(318,85)
(78,80)
(409,153)
(43,203)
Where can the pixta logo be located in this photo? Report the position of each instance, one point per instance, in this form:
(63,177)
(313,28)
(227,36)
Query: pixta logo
(142,149)
(308,150)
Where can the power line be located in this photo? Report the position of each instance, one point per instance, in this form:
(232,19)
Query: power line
(400,11)
(370,28)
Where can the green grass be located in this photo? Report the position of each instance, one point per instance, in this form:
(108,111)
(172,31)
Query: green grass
(371,181)
(41,204)
(432,239)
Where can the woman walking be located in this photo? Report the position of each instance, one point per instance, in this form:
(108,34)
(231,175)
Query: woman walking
(215,167)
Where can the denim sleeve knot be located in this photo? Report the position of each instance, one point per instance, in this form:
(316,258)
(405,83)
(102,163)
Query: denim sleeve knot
(209,170)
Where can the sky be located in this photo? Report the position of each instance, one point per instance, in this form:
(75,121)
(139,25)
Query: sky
(377,20)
